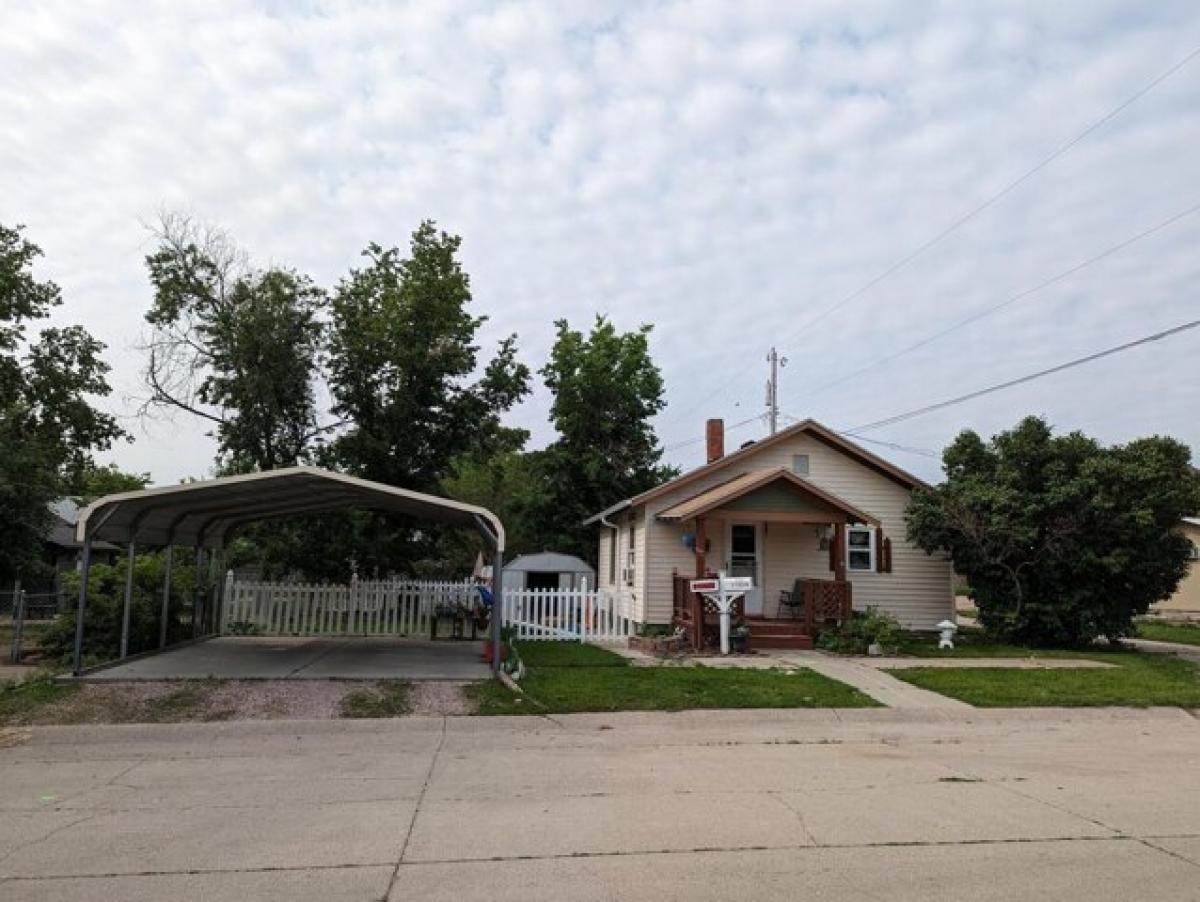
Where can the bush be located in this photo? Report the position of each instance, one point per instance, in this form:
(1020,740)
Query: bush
(1062,540)
(863,630)
(106,599)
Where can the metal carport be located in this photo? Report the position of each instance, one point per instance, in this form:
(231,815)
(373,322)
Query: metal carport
(205,514)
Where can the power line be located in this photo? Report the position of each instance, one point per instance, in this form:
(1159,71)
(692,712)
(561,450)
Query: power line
(975,211)
(1021,179)
(924,452)
(930,408)
(975,317)
(696,441)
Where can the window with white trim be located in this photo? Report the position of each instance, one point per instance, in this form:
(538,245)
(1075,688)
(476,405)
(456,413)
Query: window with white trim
(631,553)
(860,548)
(612,556)
(800,464)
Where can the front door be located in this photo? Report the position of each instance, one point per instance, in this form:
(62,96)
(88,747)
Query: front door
(745,559)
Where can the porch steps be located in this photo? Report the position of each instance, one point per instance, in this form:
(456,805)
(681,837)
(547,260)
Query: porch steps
(777,634)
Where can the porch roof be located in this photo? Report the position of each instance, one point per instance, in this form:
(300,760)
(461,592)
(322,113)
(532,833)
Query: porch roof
(814,504)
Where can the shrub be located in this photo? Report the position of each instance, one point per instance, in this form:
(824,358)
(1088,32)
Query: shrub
(106,599)
(1062,540)
(861,631)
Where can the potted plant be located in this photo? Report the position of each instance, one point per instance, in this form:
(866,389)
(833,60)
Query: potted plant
(506,636)
(739,636)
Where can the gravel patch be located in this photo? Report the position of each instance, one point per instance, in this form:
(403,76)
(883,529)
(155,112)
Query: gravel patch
(145,701)
(440,697)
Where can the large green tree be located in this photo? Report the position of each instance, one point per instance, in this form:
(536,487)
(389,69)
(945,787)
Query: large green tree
(403,372)
(49,426)
(1063,540)
(235,346)
(606,390)
(402,364)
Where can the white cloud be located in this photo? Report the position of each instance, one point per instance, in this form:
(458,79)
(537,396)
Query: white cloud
(725,171)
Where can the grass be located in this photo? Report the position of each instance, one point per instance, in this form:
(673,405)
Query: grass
(568,654)
(1137,680)
(387,698)
(19,700)
(1184,633)
(569,677)
(972,643)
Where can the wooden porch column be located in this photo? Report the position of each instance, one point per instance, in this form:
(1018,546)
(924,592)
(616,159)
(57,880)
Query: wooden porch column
(839,552)
(701,545)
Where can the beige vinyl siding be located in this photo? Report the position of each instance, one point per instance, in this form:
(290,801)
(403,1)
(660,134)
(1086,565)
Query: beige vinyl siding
(918,591)
(603,562)
(1187,596)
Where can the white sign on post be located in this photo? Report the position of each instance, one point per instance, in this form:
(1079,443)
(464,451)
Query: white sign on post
(724,590)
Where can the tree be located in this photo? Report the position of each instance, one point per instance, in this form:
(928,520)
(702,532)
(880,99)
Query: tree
(606,391)
(97,481)
(401,361)
(48,426)
(400,356)
(1062,540)
(234,346)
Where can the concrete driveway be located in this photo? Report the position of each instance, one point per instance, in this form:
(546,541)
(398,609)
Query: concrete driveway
(360,658)
(858,805)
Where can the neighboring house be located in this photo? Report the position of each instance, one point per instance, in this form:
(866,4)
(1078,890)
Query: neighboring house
(1186,599)
(60,550)
(548,570)
(802,505)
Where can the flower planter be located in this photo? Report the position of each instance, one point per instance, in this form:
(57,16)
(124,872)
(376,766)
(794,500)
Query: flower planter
(487,651)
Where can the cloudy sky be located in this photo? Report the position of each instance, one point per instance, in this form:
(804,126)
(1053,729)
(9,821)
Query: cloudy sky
(729,172)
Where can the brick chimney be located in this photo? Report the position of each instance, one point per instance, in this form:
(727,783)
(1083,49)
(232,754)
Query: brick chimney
(714,435)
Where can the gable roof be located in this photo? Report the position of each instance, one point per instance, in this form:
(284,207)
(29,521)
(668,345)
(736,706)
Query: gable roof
(806,427)
(548,561)
(746,483)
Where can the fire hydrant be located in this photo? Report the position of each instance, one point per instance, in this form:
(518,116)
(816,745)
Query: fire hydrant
(946,635)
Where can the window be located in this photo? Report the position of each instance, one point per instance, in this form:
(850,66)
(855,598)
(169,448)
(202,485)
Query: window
(631,553)
(612,556)
(800,464)
(1195,555)
(860,548)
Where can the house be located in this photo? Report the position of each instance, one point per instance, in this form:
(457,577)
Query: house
(60,550)
(804,512)
(548,570)
(1186,599)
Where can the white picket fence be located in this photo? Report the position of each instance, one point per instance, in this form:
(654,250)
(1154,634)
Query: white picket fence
(557,614)
(400,607)
(364,608)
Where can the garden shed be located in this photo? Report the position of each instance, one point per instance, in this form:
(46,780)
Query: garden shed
(548,570)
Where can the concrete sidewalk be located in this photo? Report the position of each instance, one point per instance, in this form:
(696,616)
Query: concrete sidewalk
(704,805)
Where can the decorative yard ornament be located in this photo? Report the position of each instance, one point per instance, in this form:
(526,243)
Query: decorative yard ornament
(947,630)
(724,590)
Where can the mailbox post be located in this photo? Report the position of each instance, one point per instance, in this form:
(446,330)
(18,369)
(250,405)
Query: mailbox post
(724,590)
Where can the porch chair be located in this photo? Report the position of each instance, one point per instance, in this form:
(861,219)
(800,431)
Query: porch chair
(793,602)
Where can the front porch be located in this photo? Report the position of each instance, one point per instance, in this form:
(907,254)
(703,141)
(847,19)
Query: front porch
(792,538)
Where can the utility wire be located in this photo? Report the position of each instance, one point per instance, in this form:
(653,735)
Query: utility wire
(1021,179)
(695,441)
(909,449)
(1108,352)
(975,317)
(975,211)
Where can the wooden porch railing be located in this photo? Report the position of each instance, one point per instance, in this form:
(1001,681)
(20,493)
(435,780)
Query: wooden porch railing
(826,601)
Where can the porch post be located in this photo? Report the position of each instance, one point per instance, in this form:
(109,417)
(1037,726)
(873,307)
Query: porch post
(701,543)
(839,552)
(128,599)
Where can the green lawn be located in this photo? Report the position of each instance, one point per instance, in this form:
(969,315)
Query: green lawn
(1138,680)
(1185,633)
(971,643)
(585,678)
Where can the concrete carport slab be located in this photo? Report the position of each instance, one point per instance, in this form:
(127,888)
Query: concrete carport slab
(255,658)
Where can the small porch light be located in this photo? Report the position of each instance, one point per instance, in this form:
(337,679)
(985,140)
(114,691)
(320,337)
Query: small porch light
(947,629)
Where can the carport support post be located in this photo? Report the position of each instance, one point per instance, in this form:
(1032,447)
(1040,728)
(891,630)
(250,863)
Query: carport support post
(128,600)
(196,591)
(497,608)
(84,570)
(166,602)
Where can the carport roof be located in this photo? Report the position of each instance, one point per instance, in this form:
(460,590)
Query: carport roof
(203,513)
